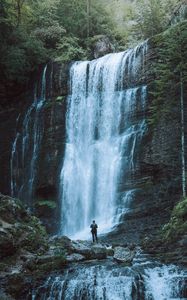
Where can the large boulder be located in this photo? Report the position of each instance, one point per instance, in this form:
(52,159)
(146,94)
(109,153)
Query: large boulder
(99,251)
(82,248)
(102,46)
(75,257)
(124,255)
(61,243)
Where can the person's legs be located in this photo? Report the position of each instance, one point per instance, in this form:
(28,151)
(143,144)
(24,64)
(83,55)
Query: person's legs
(96,237)
(93,238)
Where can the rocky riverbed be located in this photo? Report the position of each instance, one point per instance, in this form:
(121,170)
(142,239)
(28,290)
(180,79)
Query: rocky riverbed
(29,256)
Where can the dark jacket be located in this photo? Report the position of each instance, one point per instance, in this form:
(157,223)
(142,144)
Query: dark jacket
(93,228)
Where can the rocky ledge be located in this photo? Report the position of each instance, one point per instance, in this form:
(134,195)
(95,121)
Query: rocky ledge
(28,254)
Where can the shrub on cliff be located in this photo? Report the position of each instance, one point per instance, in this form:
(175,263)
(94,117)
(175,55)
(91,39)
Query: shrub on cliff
(177,225)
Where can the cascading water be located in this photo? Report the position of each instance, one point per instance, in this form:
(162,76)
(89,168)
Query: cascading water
(105,124)
(26,146)
(112,282)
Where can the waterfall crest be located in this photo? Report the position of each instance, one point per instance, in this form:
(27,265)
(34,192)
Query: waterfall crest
(105,124)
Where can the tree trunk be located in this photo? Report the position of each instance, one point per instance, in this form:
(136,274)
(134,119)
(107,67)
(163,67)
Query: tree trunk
(88,17)
(182,136)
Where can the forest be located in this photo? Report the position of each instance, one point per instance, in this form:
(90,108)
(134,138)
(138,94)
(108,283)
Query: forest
(33,32)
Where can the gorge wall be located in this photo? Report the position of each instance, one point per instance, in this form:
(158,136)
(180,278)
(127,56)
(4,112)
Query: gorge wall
(155,180)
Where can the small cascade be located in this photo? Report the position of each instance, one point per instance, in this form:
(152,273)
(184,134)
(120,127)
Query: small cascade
(105,124)
(112,282)
(166,282)
(26,146)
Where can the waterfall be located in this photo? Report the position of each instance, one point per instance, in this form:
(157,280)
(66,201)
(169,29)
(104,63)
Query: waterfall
(166,282)
(111,282)
(26,146)
(105,124)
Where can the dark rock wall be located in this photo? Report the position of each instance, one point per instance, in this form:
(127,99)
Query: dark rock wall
(52,149)
(52,145)
(158,177)
(8,129)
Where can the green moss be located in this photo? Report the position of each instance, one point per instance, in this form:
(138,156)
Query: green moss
(180,210)
(60,98)
(177,225)
(57,264)
(49,203)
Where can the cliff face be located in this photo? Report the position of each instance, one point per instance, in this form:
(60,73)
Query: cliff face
(156,180)
(49,125)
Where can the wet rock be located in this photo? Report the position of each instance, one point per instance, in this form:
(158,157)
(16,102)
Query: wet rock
(75,257)
(7,246)
(4,296)
(62,242)
(122,254)
(99,251)
(110,251)
(183,241)
(45,264)
(16,284)
(82,248)
(101,46)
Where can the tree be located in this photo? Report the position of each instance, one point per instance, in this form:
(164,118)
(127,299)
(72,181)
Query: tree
(171,77)
(19,5)
(88,17)
(152,16)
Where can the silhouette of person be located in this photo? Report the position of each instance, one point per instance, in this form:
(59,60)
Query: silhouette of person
(94,227)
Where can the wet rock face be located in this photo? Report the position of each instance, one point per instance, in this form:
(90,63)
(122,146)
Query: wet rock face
(52,146)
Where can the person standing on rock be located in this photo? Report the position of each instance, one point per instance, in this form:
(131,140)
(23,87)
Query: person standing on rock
(94,227)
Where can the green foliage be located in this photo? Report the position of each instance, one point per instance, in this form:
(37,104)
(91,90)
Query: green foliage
(69,49)
(152,16)
(33,32)
(177,225)
(50,35)
(49,203)
(180,210)
(171,63)
(60,98)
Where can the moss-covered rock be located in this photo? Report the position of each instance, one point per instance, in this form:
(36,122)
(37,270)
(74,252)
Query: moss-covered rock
(170,242)
(177,226)
(19,230)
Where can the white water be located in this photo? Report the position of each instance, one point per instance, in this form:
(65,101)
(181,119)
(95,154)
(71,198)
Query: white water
(105,124)
(25,149)
(164,283)
(115,283)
